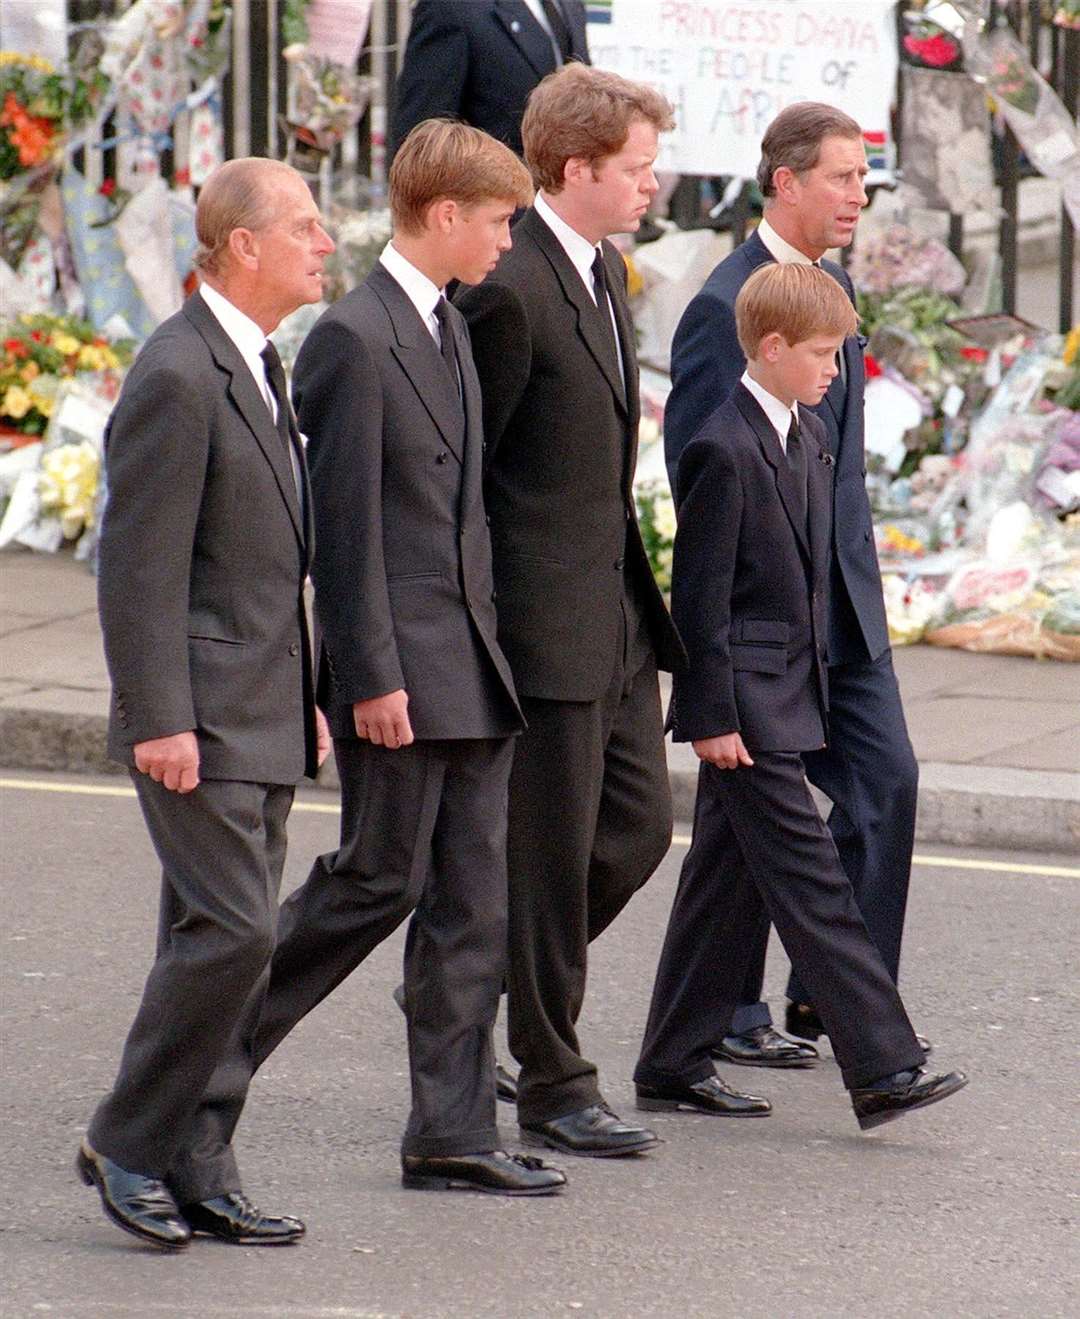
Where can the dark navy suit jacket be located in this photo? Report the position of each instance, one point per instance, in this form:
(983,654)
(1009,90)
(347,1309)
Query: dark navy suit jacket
(706,363)
(478,60)
(749,583)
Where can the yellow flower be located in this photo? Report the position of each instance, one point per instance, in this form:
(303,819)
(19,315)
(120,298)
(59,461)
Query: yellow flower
(64,343)
(91,357)
(17,402)
(43,403)
(1072,346)
(29,371)
(634,283)
(110,358)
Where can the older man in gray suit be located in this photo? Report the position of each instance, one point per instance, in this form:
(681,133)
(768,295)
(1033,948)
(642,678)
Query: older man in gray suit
(205,547)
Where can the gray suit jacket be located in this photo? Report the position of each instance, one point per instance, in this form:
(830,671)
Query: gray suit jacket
(202,562)
(404,596)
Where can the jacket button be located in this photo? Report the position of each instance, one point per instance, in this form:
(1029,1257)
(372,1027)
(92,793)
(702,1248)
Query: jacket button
(487,521)
(441,457)
(494,596)
(294,649)
(619,563)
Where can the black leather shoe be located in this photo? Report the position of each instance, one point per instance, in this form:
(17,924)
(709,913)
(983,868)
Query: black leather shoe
(140,1205)
(708,1096)
(497,1173)
(803,1021)
(765,1047)
(505,1085)
(234,1218)
(893,1096)
(595,1132)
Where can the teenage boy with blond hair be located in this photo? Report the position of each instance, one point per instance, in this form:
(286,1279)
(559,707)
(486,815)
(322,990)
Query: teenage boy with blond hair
(750,597)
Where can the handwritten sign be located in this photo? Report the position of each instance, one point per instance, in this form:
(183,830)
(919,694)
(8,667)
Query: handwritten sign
(729,69)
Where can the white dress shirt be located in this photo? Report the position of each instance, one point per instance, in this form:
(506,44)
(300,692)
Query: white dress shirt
(421,292)
(246,335)
(779,248)
(778,413)
(582,253)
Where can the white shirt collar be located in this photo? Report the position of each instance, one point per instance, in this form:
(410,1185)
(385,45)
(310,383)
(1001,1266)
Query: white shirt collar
(421,292)
(779,248)
(581,252)
(778,413)
(244,333)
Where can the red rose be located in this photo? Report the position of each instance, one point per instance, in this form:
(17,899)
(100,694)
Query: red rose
(973,354)
(937,51)
(108,188)
(873,368)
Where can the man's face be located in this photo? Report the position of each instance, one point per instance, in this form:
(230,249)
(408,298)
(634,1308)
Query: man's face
(804,371)
(292,248)
(478,236)
(616,192)
(828,198)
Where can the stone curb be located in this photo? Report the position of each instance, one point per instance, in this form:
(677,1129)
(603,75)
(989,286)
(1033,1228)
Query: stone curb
(962,805)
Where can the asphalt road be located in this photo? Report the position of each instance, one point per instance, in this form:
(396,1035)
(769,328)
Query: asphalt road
(967,1209)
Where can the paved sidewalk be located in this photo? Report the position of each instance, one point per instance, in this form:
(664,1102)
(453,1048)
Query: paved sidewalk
(997,737)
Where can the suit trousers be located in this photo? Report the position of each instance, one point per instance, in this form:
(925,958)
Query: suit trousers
(869,772)
(590,820)
(222,848)
(758,845)
(423,832)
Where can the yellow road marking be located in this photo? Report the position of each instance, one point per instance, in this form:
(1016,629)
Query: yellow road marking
(679,840)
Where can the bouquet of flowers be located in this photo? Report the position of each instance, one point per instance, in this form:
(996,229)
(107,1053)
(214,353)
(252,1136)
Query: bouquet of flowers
(929,46)
(656,517)
(67,486)
(38,353)
(1011,80)
(325,99)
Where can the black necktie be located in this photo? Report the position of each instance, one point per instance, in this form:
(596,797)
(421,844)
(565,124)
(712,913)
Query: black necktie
(603,306)
(275,374)
(446,342)
(559,29)
(796,456)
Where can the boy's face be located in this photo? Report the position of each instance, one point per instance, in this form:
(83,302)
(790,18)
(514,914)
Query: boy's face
(800,372)
(476,239)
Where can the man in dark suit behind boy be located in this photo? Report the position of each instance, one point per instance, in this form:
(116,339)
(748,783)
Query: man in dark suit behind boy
(750,597)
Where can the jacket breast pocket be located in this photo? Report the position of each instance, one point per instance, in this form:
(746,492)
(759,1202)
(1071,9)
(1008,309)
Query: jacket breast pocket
(759,659)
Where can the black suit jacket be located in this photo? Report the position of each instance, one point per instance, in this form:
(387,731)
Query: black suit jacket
(202,561)
(750,583)
(706,363)
(561,438)
(478,60)
(403,585)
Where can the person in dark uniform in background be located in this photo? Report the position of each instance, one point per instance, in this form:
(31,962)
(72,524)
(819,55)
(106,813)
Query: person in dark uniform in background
(480,59)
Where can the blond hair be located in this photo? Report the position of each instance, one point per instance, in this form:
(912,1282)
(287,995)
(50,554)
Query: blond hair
(445,158)
(794,139)
(579,112)
(238,195)
(795,301)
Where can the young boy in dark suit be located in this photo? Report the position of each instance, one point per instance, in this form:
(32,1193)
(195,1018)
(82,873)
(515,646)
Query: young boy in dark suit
(749,596)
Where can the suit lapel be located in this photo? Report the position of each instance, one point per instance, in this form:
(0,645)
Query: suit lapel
(250,403)
(421,361)
(526,34)
(589,325)
(819,475)
(774,456)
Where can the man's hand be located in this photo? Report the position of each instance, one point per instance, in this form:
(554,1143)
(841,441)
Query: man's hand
(384,720)
(725,752)
(322,737)
(172,761)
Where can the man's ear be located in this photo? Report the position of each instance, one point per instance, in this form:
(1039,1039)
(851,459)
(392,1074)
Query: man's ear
(577,169)
(244,248)
(785,182)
